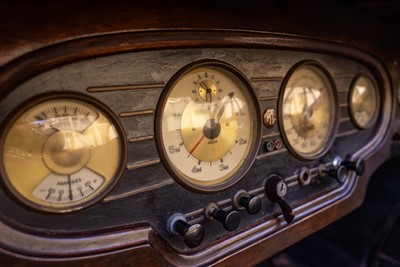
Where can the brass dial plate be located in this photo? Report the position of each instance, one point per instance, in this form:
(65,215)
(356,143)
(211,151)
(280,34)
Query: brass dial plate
(364,101)
(60,154)
(209,125)
(308,111)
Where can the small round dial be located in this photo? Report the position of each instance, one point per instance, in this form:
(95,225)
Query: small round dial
(308,111)
(363,102)
(209,124)
(61,154)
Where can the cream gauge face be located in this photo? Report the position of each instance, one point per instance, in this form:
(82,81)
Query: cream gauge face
(364,101)
(209,126)
(308,111)
(61,154)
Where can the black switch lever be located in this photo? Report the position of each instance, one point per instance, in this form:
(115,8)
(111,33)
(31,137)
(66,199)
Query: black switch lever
(358,165)
(276,189)
(242,200)
(193,234)
(230,220)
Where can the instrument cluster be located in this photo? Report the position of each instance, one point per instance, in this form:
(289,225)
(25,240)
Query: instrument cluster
(183,139)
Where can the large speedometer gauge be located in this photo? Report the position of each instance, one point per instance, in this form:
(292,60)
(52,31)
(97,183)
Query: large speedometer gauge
(62,153)
(209,126)
(308,111)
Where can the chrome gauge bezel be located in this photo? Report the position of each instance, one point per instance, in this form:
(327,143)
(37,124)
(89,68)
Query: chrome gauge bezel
(31,103)
(256,131)
(335,123)
(377,102)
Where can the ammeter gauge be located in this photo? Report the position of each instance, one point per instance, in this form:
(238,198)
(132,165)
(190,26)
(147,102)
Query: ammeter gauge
(308,111)
(208,126)
(62,153)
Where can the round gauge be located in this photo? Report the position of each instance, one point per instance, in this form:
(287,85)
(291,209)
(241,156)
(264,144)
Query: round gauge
(209,124)
(62,153)
(308,114)
(363,102)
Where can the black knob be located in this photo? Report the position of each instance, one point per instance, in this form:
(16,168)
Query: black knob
(252,204)
(193,234)
(340,173)
(230,220)
(276,189)
(358,166)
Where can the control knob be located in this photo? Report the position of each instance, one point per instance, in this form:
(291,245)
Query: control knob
(242,200)
(338,171)
(230,220)
(193,234)
(357,165)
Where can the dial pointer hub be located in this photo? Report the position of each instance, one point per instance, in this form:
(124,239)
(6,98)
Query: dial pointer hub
(208,133)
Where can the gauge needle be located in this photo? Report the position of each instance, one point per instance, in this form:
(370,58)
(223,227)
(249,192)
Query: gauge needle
(305,100)
(70,187)
(208,92)
(216,123)
(307,109)
(197,144)
(222,110)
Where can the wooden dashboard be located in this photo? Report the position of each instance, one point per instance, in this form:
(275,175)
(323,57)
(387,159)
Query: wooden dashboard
(239,177)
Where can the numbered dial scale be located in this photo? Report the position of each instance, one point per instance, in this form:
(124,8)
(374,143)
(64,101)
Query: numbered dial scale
(209,126)
(62,153)
(309,108)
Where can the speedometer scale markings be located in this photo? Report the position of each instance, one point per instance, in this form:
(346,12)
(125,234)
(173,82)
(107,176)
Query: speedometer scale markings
(208,125)
(309,113)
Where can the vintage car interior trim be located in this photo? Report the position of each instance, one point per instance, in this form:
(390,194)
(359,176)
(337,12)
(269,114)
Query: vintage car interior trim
(149,233)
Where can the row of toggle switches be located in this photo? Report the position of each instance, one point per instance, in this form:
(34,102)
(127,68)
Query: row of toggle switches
(275,189)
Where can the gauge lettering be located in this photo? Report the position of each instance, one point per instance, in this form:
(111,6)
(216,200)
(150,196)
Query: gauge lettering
(216,125)
(71,152)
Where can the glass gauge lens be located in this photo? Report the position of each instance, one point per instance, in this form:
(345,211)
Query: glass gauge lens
(308,111)
(209,126)
(61,154)
(363,102)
